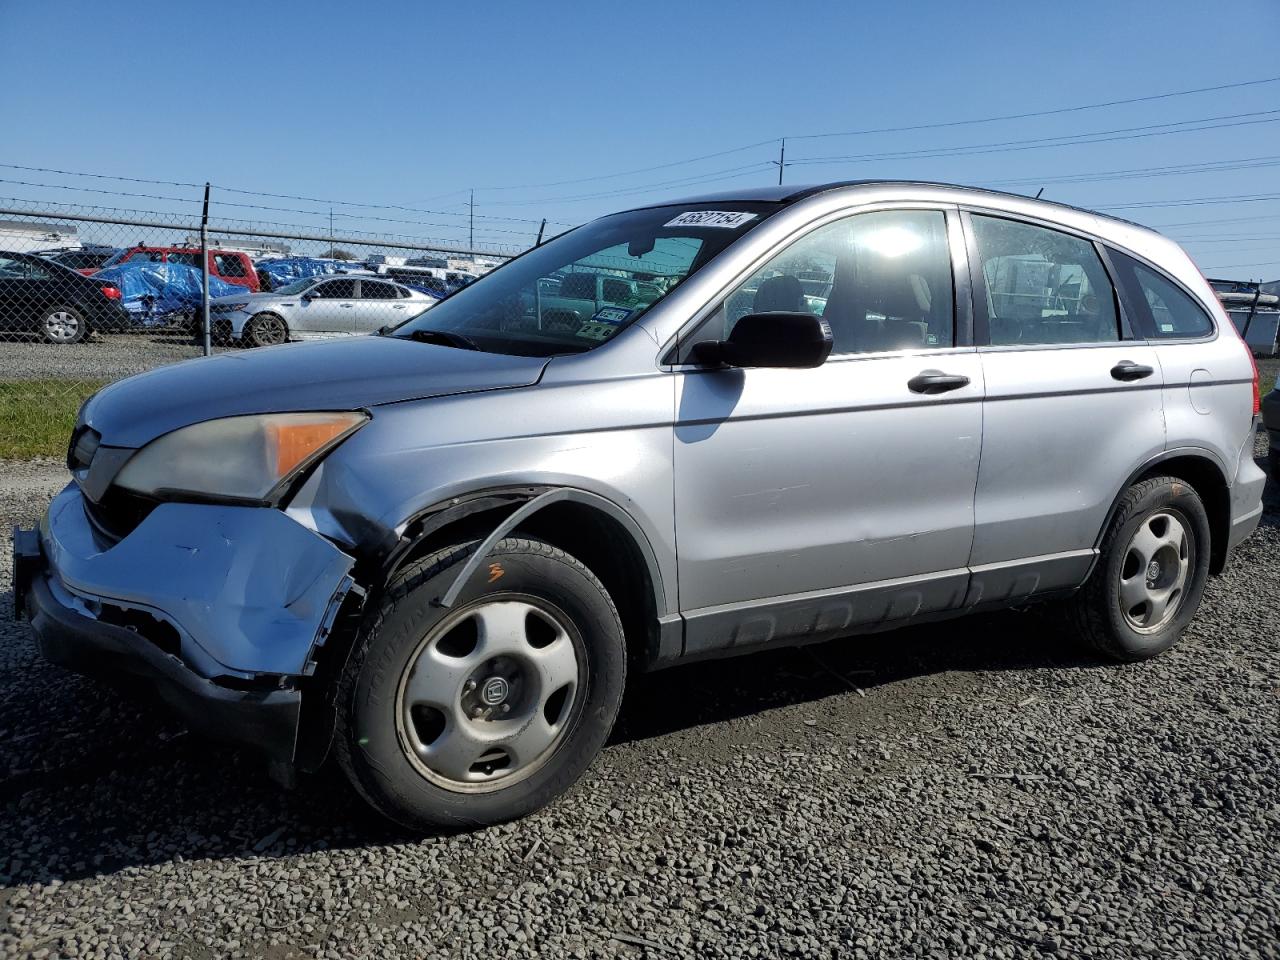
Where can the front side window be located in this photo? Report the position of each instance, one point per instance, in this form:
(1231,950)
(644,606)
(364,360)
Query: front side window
(882,281)
(1043,286)
(336,290)
(579,290)
(1170,312)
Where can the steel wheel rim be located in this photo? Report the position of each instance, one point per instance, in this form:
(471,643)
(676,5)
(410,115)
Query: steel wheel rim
(515,652)
(1155,571)
(62,326)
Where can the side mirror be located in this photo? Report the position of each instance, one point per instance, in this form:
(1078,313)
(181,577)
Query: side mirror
(308,297)
(780,339)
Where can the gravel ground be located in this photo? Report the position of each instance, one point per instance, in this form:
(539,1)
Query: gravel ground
(104,357)
(977,788)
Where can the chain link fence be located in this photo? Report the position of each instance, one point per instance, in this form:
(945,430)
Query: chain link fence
(88,296)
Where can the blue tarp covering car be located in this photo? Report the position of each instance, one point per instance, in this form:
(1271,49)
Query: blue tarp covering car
(157,294)
(283,270)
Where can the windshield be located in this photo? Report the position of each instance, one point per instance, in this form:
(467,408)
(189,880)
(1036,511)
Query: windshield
(578,290)
(289,289)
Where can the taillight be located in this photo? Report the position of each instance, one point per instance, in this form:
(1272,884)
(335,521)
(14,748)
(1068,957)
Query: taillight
(1223,316)
(111,293)
(1257,392)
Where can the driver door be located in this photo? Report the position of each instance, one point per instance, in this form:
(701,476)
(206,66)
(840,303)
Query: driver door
(817,501)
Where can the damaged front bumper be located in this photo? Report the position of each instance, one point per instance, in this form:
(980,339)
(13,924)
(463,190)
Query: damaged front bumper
(219,610)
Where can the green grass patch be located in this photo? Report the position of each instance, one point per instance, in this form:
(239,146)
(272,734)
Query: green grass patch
(37,416)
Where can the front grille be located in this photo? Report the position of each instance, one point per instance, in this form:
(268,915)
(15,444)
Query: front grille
(118,513)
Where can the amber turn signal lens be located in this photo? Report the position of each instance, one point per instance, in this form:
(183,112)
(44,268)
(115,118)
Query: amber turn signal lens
(290,443)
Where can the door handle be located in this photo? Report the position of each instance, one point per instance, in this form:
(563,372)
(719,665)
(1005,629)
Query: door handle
(398,306)
(1127,370)
(935,381)
(346,304)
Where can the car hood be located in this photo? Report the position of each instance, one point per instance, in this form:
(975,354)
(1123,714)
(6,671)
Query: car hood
(328,375)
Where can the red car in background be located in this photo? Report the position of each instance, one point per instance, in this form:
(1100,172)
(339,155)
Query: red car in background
(233,266)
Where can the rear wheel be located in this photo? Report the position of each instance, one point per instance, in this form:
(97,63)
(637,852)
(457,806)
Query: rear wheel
(1151,573)
(266,329)
(489,709)
(62,324)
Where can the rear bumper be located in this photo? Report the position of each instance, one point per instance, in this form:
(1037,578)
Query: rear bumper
(217,610)
(1246,494)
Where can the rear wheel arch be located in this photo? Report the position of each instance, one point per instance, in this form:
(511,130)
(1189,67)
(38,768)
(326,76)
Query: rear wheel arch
(1202,472)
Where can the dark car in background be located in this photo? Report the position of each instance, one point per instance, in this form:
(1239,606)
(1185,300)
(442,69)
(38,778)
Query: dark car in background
(86,260)
(56,302)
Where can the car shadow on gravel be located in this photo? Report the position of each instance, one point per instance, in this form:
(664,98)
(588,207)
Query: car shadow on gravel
(101,782)
(93,783)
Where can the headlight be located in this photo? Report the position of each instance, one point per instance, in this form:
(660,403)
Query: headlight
(238,458)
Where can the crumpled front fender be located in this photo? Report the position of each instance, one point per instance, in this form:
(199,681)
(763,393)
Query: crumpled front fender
(248,590)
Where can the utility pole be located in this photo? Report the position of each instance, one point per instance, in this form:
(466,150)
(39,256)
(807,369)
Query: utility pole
(331,231)
(782,159)
(471,242)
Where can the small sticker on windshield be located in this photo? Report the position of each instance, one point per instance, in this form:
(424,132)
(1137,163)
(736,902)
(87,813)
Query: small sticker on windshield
(730,220)
(614,315)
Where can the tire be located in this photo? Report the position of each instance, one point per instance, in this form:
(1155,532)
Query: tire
(266,330)
(1273,463)
(1118,611)
(411,760)
(62,324)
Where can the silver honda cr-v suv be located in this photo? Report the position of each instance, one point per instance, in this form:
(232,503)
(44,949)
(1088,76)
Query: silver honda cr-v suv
(683,431)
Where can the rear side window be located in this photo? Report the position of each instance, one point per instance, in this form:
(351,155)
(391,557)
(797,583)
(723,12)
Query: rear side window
(375,290)
(1166,310)
(229,265)
(1043,286)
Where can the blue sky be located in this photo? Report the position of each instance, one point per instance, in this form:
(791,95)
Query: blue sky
(413,104)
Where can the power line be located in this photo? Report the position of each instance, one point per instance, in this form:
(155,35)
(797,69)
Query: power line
(879,130)
(1099,136)
(1196,223)
(1142,173)
(1192,202)
(1035,113)
(254,193)
(713,177)
(256,206)
(629,173)
(1239,266)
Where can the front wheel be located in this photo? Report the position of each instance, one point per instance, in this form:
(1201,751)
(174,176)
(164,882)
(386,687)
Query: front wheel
(489,709)
(1150,574)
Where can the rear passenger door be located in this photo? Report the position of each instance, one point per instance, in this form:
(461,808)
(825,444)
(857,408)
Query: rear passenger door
(380,304)
(1073,403)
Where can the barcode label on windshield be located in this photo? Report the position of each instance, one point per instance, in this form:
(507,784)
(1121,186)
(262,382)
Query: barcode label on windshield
(711,218)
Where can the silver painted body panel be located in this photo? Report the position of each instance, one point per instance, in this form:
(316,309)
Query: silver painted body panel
(770,504)
(322,317)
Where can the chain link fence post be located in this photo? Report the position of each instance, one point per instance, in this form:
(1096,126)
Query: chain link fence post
(205,332)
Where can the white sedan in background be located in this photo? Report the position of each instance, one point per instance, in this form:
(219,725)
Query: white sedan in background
(315,308)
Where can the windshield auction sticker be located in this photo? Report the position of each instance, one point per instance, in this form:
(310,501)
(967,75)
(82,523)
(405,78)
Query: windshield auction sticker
(711,218)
